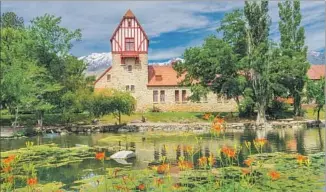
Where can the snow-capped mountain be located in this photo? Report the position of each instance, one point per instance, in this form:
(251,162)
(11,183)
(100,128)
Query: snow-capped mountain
(316,57)
(98,62)
(168,62)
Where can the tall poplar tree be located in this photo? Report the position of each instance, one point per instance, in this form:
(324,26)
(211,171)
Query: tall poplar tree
(294,52)
(258,59)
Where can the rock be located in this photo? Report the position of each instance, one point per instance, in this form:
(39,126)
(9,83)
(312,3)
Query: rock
(123,155)
(136,121)
(122,161)
(80,145)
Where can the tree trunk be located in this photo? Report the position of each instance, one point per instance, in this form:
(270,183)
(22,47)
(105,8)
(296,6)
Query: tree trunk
(261,116)
(318,113)
(119,117)
(297,105)
(16,119)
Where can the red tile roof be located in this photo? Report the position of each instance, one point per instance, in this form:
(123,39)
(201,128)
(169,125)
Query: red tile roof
(163,76)
(316,72)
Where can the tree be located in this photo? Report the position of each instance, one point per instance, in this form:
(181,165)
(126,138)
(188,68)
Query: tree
(294,52)
(211,67)
(11,20)
(316,94)
(122,103)
(110,102)
(258,54)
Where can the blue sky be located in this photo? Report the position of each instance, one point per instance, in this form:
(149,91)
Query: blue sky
(171,26)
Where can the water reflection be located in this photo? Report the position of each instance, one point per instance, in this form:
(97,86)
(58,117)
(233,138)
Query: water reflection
(304,141)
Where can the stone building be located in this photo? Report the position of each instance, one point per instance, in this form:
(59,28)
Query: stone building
(151,85)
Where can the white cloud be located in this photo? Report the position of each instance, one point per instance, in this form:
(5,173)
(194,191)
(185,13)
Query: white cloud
(99,19)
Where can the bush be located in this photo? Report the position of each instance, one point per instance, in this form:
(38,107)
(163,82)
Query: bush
(278,109)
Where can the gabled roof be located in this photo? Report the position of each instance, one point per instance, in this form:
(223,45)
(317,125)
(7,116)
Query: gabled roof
(129,14)
(316,72)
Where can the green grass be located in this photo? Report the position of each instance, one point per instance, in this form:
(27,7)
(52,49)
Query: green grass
(310,114)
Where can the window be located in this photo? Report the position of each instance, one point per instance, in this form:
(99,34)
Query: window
(132,88)
(184,96)
(176,96)
(162,96)
(158,77)
(127,87)
(155,96)
(108,77)
(129,23)
(130,44)
(129,68)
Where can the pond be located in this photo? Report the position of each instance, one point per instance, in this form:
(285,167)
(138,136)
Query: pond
(301,140)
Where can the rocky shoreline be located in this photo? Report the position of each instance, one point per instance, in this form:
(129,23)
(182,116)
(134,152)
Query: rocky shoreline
(167,127)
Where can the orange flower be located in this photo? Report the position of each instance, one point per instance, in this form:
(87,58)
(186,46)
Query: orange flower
(159,181)
(9,159)
(274,175)
(141,187)
(301,158)
(211,160)
(248,162)
(188,149)
(7,169)
(245,171)
(217,128)
(161,169)
(206,116)
(229,152)
(184,165)
(100,156)
(32,181)
(218,120)
(261,142)
(202,161)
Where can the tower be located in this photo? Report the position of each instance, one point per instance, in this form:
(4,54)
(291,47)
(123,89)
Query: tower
(129,70)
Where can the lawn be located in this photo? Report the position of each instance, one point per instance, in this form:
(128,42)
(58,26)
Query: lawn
(310,114)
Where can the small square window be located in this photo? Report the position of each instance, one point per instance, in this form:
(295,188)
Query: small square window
(127,87)
(108,77)
(132,88)
(129,68)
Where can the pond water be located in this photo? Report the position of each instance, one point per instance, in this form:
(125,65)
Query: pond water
(301,140)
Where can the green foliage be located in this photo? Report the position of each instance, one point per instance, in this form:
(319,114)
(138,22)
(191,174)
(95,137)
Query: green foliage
(316,94)
(294,52)
(11,20)
(110,102)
